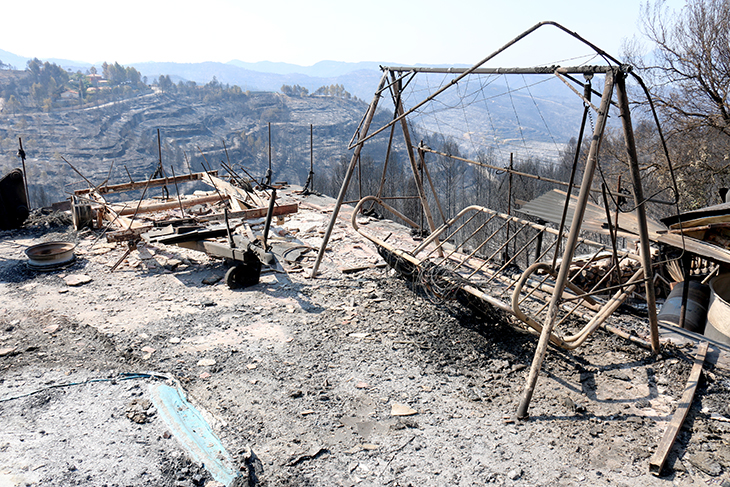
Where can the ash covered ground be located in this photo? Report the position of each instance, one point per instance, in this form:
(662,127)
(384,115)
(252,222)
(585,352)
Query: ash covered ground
(354,379)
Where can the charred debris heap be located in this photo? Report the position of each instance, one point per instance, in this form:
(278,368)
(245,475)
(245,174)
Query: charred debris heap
(557,269)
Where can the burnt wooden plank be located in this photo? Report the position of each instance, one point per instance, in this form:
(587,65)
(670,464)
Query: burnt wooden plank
(665,445)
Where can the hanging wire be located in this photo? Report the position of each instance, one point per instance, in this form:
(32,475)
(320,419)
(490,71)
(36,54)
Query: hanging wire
(537,107)
(519,125)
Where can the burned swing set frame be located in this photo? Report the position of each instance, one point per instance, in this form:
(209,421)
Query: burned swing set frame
(472,272)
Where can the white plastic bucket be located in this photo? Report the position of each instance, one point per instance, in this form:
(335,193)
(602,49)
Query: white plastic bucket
(718,312)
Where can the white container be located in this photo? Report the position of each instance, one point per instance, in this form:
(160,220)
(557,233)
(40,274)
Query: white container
(718,312)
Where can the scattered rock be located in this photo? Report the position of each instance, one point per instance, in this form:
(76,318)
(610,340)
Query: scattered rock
(402,410)
(76,279)
(212,279)
(514,474)
(7,351)
(642,404)
(705,462)
(206,362)
(172,264)
(139,410)
(568,403)
(618,374)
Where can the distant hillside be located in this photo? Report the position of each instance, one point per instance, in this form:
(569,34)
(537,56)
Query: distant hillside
(211,107)
(490,121)
(360,83)
(322,69)
(8,58)
(123,136)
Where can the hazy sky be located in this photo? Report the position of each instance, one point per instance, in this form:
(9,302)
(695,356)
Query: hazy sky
(305,32)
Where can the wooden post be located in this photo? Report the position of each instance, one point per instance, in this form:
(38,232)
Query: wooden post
(665,445)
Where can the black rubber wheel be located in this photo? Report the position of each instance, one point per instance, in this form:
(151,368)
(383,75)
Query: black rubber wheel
(244,274)
(233,277)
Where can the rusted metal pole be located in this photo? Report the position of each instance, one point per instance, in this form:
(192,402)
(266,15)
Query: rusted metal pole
(422,165)
(177,191)
(612,235)
(562,279)
(385,167)
(359,178)
(131,181)
(619,202)
(268,171)
(139,203)
(21,154)
(505,254)
(422,159)
(623,102)
(91,186)
(310,179)
(343,189)
(686,268)
(160,169)
(412,159)
(269,216)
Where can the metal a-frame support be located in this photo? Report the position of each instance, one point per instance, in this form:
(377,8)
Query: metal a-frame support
(351,168)
(614,77)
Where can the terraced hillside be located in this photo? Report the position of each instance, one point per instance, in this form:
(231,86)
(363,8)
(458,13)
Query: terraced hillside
(123,134)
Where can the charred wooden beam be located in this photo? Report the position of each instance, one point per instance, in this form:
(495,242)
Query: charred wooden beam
(665,445)
(252,213)
(118,188)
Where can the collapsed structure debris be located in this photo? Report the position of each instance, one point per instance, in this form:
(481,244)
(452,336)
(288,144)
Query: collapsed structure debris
(473,255)
(193,226)
(562,285)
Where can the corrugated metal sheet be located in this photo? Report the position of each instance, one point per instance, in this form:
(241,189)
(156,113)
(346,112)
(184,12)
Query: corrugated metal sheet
(549,207)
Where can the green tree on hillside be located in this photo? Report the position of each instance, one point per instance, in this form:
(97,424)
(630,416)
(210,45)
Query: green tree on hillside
(165,83)
(335,90)
(116,74)
(47,81)
(295,90)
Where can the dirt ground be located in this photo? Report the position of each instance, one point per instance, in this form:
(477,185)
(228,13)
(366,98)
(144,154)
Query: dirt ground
(341,380)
